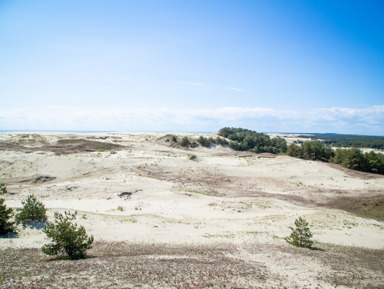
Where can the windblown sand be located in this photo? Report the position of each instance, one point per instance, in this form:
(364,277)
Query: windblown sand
(224,208)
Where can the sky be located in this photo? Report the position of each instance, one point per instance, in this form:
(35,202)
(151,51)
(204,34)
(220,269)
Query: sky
(192,65)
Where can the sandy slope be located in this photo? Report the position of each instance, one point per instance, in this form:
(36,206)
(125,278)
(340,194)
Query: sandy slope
(222,197)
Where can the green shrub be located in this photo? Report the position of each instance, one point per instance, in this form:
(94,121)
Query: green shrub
(32,210)
(67,237)
(301,235)
(6,225)
(3,189)
(185,142)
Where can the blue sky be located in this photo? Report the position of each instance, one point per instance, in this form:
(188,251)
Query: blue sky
(192,65)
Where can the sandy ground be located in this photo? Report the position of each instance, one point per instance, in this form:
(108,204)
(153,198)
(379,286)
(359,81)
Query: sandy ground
(235,206)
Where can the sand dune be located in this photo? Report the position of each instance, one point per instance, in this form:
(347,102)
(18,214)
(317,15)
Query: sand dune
(144,190)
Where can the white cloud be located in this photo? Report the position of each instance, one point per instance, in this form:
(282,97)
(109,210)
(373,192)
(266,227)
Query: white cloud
(342,120)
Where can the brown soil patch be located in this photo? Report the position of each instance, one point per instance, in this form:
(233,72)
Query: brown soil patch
(65,146)
(122,265)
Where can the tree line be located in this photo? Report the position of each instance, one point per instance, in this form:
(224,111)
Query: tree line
(352,158)
(239,139)
(347,140)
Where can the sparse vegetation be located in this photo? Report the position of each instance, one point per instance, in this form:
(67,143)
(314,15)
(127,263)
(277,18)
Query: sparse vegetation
(301,236)
(6,226)
(120,208)
(67,237)
(33,210)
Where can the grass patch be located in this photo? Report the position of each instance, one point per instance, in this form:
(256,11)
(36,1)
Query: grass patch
(66,146)
(349,225)
(373,209)
(209,192)
(129,220)
(196,192)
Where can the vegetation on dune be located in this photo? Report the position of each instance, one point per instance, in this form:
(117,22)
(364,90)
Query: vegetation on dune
(355,159)
(311,151)
(67,237)
(352,158)
(203,141)
(248,140)
(241,140)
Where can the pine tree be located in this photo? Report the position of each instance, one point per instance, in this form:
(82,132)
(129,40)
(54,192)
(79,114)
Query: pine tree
(32,210)
(301,235)
(67,237)
(6,226)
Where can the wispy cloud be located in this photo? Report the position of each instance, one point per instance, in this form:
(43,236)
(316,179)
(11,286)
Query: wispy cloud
(342,120)
(235,89)
(195,83)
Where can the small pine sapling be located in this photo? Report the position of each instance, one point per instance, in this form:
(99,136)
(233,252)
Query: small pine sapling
(3,189)
(33,210)
(6,226)
(67,237)
(301,235)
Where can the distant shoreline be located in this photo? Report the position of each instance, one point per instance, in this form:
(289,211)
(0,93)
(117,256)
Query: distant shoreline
(166,131)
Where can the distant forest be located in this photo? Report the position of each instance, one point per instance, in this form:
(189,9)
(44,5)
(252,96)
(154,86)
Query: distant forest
(241,139)
(348,140)
(352,158)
